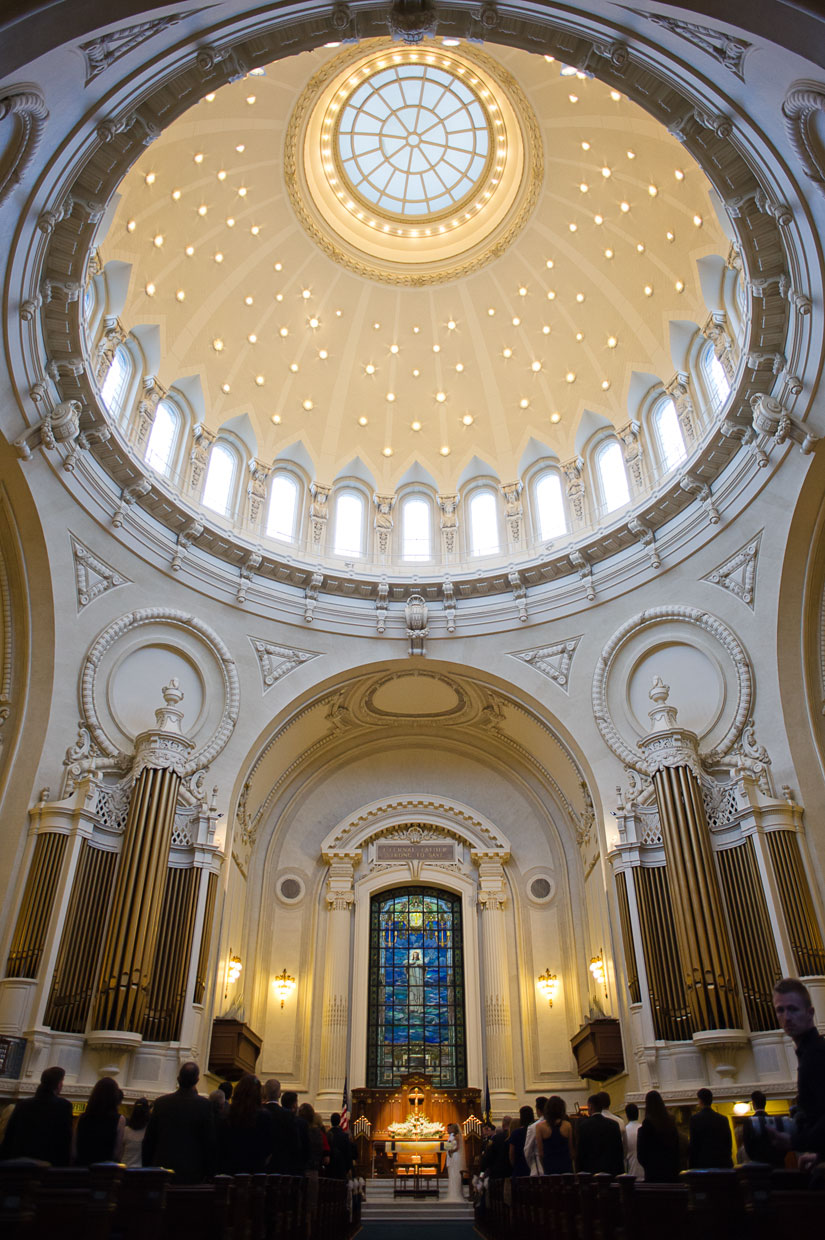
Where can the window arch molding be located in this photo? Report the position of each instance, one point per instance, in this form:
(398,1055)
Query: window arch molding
(475,544)
(407,494)
(236,452)
(344,489)
(293,475)
(664,435)
(604,453)
(164,445)
(119,385)
(534,483)
(702,364)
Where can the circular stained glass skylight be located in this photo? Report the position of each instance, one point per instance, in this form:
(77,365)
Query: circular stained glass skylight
(413,141)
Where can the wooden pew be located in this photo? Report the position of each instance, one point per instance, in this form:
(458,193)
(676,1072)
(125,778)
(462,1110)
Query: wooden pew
(76,1203)
(19,1182)
(654,1209)
(140,1203)
(199,1210)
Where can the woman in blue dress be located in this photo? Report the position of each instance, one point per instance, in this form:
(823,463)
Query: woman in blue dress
(554,1138)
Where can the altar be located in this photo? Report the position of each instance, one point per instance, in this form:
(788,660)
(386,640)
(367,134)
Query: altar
(401,1129)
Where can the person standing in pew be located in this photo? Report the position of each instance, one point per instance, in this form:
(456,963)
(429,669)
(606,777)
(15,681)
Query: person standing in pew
(291,1148)
(99,1132)
(41,1127)
(631,1137)
(658,1142)
(711,1145)
(245,1133)
(599,1142)
(795,1014)
(180,1134)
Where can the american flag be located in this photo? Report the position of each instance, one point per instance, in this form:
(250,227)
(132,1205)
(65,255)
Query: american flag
(345,1109)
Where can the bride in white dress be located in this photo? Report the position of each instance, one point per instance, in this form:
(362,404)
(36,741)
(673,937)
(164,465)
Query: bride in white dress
(455,1154)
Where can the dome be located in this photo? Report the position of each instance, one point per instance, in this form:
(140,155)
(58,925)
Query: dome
(422,257)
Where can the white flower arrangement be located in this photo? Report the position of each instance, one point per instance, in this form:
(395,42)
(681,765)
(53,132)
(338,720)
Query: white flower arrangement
(416,1128)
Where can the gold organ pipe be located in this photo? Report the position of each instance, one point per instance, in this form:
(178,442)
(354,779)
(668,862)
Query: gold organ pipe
(206,938)
(752,937)
(670,1011)
(706,957)
(132,935)
(627,938)
(79,948)
(36,907)
(797,903)
(168,988)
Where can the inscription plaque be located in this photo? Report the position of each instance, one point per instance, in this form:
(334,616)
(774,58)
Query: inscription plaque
(414,852)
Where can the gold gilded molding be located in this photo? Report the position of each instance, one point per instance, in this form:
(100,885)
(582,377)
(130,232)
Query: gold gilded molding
(481,249)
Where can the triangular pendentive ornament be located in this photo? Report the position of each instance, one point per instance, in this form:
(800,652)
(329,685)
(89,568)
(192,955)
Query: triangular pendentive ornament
(553,661)
(737,574)
(93,576)
(276,662)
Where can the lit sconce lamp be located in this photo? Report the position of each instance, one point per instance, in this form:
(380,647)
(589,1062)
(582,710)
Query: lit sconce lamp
(284,986)
(548,985)
(471,1127)
(233,971)
(362,1127)
(597,969)
(741,1108)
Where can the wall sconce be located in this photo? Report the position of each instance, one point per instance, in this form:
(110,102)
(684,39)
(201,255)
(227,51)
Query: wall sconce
(233,970)
(472,1127)
(741,1108)
(597,969)
(549,985)
(361,1127)
(284,986)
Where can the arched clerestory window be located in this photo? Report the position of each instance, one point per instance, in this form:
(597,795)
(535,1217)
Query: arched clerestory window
(714,375)
(348,534)
(163,438)
(116,384)
(416,528)
(669,438)
(612,476)
(281,517)
(220,479)
(484,534)
(550,511)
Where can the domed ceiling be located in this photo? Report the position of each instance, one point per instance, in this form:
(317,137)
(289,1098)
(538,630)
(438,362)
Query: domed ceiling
(495,321)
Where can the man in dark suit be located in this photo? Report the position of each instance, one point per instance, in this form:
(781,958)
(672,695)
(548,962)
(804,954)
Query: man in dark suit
(710,1136)
(599,1141)
(284,1133)
(41,1127)
(758,1133)
(290,1141)
(341,1150)
(181,1131)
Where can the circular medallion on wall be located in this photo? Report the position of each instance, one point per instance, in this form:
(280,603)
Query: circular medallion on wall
(290,888)
(697,656)
(541,886)
(130,662)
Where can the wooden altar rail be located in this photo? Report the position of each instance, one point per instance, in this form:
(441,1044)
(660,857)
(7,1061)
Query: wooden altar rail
(752,1200)
(110,1202)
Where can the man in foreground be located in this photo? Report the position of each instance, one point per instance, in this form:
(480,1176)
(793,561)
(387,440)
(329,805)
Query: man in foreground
(795,1014)
(181,1131)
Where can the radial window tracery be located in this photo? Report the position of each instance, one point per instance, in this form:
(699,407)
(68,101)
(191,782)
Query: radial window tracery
(413,140)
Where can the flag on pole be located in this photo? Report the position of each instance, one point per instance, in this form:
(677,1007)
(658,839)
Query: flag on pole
(345,1109)
(487,1107)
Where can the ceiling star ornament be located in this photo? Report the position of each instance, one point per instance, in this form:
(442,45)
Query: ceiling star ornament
(275,662)
(554,661)
(93,577)
(737,574)
(101,53)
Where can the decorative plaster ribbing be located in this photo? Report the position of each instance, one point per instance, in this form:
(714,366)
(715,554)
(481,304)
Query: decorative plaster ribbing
(710,624)
(128,623)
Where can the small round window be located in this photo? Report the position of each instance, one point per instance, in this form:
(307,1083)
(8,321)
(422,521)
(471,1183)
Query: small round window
(541,889)
(290,889)
(413,140)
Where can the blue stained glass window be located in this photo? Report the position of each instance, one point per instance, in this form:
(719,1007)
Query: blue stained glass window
(416,988)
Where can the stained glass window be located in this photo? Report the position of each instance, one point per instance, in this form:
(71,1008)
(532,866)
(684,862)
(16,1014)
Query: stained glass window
(416,988)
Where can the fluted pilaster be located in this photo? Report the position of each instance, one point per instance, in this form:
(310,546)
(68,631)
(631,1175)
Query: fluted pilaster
(340,900)
(495,980)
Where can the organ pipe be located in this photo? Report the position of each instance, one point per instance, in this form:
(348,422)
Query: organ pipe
(26,949)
